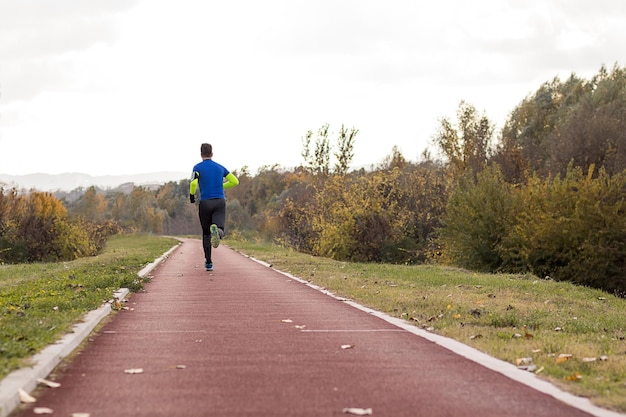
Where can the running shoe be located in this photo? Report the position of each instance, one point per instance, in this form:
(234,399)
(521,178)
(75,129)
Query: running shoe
(208,266)
(215,236)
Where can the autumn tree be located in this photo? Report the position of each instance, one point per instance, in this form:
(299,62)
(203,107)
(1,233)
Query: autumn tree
(254,193)
(288,218)
(91,205)
(387,215)
(531,123)
(576,120)
(36,227)
(466,144)
(179,216)
(593,131)
(394,160)
(145,213)
(345,149)
(317,153)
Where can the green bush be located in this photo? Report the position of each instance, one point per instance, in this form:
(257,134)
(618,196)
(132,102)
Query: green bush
(479,215)
(574,229)
(570,229)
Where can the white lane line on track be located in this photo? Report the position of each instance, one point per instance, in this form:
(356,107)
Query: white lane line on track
(153,331)
(351,331)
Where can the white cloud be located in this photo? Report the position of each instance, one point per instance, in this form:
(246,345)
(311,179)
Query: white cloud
(113,87)
(38,39)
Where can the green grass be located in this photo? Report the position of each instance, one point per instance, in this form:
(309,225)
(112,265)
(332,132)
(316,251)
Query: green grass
(41,302)
(506,316)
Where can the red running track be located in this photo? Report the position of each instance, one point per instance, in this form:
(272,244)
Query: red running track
(230,343)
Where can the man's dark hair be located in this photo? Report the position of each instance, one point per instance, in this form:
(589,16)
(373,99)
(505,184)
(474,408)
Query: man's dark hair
(206,150)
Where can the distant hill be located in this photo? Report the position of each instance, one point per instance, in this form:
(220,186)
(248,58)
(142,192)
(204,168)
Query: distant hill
(72,181)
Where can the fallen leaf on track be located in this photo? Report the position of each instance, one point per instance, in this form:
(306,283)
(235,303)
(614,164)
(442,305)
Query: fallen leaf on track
(42,410)
(287,321)
(358,411)
(80,414)
(347,346)
(51,384)
(25,397)
(134,371)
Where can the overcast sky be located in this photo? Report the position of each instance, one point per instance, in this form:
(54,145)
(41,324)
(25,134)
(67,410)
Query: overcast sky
(135,86)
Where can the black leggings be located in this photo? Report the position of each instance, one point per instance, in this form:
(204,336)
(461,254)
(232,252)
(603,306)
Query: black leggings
(211,211)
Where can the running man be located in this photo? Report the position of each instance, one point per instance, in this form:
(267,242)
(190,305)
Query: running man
(212,178)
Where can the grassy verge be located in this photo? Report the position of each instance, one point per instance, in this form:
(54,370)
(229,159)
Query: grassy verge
(572,336)
(39,303)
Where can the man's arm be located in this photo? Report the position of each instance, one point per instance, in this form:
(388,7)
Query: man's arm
(193,186)
(231,181)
